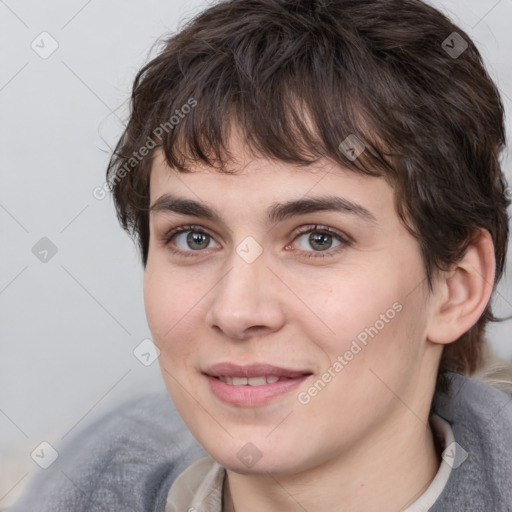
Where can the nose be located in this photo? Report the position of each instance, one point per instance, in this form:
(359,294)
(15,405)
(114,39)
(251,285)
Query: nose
(245,302)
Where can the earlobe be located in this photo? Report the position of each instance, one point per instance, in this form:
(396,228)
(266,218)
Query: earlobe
(462,294)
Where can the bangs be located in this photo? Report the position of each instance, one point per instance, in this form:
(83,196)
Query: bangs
(278,109)
(281,124)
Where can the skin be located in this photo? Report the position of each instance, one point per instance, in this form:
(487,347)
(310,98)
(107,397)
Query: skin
(364,442)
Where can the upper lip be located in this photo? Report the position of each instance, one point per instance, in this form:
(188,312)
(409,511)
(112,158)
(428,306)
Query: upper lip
(253,370)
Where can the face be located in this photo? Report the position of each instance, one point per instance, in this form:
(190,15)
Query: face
(290,308)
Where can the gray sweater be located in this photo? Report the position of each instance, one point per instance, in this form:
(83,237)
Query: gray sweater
(128,460)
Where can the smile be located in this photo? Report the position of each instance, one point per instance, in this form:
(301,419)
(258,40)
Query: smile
(252,385)
(251,381)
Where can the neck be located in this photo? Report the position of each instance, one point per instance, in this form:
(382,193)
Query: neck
(387,474)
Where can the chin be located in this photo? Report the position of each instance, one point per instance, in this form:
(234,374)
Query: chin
(247,458)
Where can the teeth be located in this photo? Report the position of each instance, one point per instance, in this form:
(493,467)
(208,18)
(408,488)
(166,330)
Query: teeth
(251,381)
(256,381)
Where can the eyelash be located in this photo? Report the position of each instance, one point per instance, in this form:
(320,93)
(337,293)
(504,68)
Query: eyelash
(345,240)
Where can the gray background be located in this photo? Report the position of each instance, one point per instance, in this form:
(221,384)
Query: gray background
(69,325)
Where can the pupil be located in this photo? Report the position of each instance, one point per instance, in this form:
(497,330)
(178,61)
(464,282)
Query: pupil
(199,238)
(320,239)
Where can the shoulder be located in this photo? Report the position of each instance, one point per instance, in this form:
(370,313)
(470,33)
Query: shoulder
(481,419)
(124,461)
(471,406)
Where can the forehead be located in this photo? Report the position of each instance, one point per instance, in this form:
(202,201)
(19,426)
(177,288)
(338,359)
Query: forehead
(258,180)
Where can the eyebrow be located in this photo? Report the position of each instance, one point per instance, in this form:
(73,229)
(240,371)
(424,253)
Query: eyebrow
(277,212)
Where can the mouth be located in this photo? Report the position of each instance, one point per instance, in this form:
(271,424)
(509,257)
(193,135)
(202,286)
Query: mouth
(251,381)
(252,385)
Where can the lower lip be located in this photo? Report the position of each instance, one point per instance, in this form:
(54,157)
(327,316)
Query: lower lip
(252,395)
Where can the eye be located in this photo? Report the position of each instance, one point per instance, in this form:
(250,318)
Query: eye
(188,239)
(321,239)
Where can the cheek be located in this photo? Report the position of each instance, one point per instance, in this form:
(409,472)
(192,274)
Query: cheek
(374,316)
(352,309)
(172,318)
(171,308)
(158,298)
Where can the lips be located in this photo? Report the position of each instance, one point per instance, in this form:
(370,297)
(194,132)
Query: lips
(252,385)
(228,371)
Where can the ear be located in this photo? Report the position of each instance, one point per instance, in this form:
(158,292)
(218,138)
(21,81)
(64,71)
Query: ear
(462,294)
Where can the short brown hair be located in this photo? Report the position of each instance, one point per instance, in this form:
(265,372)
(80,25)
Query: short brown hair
(299,77)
